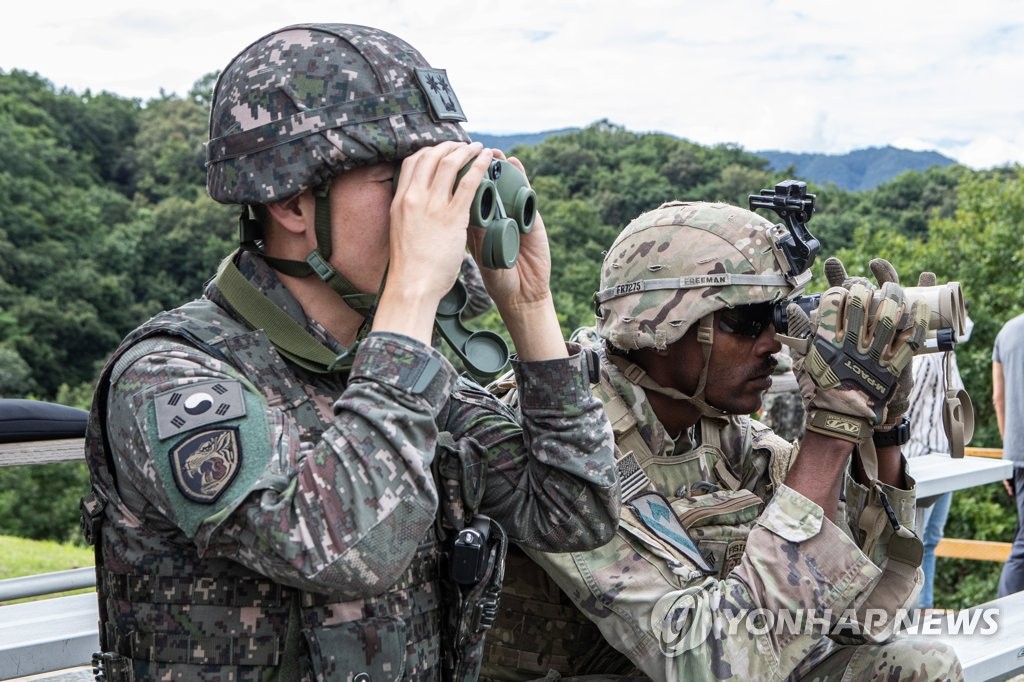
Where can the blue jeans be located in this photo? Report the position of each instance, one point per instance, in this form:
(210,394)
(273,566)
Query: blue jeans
(933,524)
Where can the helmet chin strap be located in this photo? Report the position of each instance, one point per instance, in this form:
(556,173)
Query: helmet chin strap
(636,374)
(318,261)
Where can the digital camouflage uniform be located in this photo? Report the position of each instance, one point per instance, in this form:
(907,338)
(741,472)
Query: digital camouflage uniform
(710,538)
(264,517)
(260,517)
(478,301)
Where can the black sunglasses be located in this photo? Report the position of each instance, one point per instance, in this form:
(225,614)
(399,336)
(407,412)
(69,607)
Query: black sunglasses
(746,320)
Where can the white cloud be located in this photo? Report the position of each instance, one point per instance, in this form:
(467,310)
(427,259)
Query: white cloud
(828,76)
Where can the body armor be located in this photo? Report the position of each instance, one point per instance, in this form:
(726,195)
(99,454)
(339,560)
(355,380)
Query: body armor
(717,489)
(167,613)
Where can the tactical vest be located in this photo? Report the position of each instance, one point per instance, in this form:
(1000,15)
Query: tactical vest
(167,613)
(539,630)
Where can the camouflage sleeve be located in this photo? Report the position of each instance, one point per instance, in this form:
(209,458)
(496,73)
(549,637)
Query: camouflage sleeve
(342,511)
(550,476)
(797,576)
(478,301)
(890,548)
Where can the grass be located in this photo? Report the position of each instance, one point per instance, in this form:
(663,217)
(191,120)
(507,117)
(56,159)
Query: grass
(21,557)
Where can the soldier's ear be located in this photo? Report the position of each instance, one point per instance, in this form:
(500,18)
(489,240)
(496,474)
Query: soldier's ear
(294,214)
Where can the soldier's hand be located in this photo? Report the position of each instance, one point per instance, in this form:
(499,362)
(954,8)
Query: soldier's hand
(429,220)
(427,235)
(883,272)
(855,358)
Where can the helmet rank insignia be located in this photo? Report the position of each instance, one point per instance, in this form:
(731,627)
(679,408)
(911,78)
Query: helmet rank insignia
(444,105)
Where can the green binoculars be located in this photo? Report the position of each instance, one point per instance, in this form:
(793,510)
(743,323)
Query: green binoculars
(504,206)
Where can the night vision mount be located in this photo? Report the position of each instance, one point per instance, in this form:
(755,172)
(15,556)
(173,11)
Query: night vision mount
(795,206)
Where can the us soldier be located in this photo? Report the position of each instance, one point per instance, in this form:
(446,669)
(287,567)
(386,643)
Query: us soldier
(726,528)
(289,482)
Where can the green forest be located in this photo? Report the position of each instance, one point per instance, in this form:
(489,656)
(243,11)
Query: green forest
(107,222)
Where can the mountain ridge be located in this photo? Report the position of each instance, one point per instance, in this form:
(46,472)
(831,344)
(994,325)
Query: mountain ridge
(859,169)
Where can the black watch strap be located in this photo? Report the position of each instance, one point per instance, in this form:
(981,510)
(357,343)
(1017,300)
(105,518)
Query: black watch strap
(898,435)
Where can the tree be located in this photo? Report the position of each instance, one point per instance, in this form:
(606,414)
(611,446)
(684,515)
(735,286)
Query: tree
(168,151)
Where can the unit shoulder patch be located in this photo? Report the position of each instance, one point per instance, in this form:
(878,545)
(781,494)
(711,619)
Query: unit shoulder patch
(657,515)
(205,463)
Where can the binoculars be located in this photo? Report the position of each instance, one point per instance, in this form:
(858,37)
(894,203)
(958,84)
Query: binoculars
(947,321)
(504,206)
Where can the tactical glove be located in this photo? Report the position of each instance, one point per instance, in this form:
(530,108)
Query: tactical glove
(835,273)
(857,350)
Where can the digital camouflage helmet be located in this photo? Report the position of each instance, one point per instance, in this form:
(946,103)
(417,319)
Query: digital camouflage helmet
(673,267)
(308,102)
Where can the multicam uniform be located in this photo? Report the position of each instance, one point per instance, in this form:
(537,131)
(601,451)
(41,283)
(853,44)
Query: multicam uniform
(268,520)
(713,549)
(760,546)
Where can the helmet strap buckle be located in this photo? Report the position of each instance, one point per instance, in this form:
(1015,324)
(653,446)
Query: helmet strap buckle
(250,230)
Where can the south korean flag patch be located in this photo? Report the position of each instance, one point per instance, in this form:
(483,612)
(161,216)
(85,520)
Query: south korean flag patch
(186,408)
(205,463)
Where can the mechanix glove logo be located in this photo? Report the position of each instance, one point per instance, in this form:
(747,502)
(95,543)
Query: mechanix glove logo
(205,463)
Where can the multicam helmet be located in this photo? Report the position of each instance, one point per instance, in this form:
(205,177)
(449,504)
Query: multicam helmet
(307,102)
(671,267)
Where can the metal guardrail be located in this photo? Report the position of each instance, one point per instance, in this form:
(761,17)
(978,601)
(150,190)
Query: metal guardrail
(61,633)
(47,635)
(977,550)
(47,583)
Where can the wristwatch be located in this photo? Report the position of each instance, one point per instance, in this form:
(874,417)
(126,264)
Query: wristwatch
(898,434)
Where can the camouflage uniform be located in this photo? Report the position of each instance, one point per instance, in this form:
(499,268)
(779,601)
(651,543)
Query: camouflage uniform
(316,495)
(258,516)
(478,301)
(710,538)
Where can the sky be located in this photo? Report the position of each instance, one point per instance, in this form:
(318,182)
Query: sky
(826,76)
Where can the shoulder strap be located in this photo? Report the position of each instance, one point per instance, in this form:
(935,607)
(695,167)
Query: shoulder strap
(288,337)
(631,450)
(781,452)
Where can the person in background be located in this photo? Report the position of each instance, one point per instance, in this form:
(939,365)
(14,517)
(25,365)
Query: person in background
(1008,400)
(934,375)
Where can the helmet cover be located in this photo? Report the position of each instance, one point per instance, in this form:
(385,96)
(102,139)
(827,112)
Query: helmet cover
(672,266)
(307,102)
